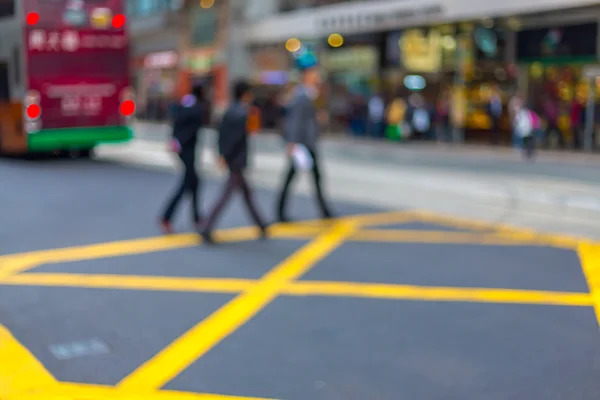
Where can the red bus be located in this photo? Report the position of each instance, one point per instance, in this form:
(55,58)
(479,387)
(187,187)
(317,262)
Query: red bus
(77,90)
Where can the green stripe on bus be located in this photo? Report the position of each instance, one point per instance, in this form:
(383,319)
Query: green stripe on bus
(77,138)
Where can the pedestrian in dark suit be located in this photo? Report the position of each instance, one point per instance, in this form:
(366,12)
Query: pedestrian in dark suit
(301,127)
(233,150)
(188,117)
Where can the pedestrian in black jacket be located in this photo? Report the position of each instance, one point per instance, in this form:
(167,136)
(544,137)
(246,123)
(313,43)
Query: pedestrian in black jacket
(233,150)
(188,117)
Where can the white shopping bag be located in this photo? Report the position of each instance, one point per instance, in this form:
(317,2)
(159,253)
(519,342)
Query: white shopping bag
(302,158)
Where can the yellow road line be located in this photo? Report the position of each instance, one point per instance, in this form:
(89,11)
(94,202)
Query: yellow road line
(13,266)
(152,244)
(455,222)
(308,288)
(506,230)
(70,391)
(20,371)
(433,293)
(434,237)
(133,282)
(382,218)
(589,256)
(168,363)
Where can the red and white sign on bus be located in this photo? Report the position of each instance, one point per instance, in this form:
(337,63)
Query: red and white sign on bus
(71,41)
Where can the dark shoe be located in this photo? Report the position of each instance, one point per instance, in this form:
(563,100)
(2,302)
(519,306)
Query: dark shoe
(207,237)
(166,227)
(264,232)
(328,216)
(283,220)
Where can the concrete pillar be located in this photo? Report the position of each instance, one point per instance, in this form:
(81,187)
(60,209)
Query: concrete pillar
(242,13)
(238,56)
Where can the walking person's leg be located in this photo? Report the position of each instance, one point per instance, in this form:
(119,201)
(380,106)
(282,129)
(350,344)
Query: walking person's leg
(195,189)
(230,186)
(192,185)
(283,195)
(167,215)
(250,205)
(316,172)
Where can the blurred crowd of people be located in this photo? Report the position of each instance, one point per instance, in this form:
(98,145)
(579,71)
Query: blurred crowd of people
(406,115)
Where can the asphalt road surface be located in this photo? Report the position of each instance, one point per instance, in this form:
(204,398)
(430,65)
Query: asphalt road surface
(378,304)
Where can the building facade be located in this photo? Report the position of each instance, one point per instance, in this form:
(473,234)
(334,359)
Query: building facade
(176,44)
(465,47)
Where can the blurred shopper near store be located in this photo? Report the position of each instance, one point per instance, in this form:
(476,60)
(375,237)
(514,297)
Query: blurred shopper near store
(188,117)
(514,106)
(527,127)
(444,128)
(397,128)
(494,110)
(340,109)
(420,116)
(301,128)
(358,115)
(577,120)
(551,113)
(376,114)
(233,151)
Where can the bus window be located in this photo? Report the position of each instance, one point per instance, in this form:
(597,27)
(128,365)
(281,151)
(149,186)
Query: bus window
(4,83)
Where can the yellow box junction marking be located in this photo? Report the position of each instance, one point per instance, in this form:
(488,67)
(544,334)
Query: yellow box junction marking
(589,256)
(306,288)
(20,371)
(24,378)
(167,364)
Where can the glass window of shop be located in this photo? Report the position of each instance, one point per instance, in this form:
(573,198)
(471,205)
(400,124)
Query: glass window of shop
(422,52)
(293,5)
(489,75)
(7,8)
(352,77)
(205,26)
(141,8)
(467,59)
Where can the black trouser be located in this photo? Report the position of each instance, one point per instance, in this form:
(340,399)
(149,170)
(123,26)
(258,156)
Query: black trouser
(495,138)
(325,212)
(554,130)
(236,181)
(529,145)
(190,183)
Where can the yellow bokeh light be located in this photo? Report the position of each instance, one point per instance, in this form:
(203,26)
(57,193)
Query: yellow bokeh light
(207,3)
(292,45)
(536,70)
(335,40)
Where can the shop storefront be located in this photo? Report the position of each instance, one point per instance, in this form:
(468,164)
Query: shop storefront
(206,67)
(356,65)
(553,60)
(156,83)
(270,66)
(271,72)
(204,60)
(467,61)
(353,74)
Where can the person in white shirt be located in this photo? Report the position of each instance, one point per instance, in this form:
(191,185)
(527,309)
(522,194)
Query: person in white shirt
(525,127)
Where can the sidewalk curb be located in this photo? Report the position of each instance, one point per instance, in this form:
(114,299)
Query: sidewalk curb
(556,194)
(352,145)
